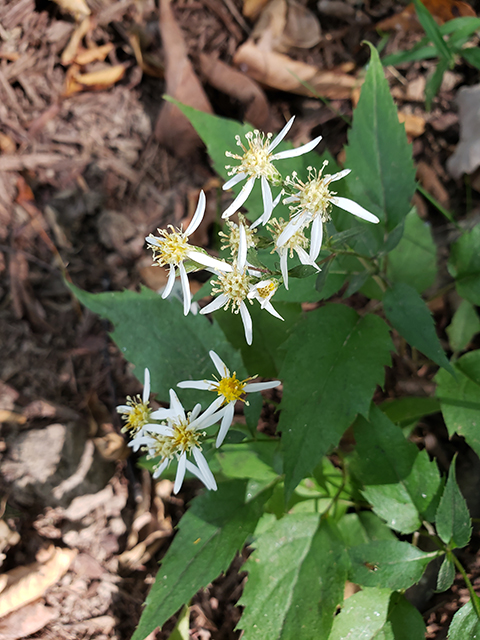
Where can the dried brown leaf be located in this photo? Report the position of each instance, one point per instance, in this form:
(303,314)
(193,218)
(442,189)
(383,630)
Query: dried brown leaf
(414,125)
(103,78)
(11,416)
(278,71)
(77,8)
(85,56)
(441,10)
(28,620)
(77,36)
(253,8)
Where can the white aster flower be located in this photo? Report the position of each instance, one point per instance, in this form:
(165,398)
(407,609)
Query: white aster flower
(229,390)
(179,436)
(231,239)
(233,289)
(298,242)
(312,203)
(137,412)
(172,248)
(263,292)
(256,162)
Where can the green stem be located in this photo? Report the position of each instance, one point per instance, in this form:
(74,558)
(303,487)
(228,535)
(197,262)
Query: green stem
(438,206)
(471,590)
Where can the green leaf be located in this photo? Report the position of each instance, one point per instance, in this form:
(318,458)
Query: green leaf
(296,580)
(378,614)
(210,533)
(465,624)
(411,317)
(363,527)
(254,460)
(472,56)
(419,52)
(446,575)
(387,563)
(400,482)
(434,82)
(452,521)
(465,324)
(383,176)
(460,399)
(404,411)
(330,372)
(464,265)
(182,628)
(432,30)
(414,259)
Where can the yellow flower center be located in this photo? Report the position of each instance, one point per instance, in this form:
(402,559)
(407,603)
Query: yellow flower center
(232,238)
(173,247)
(267,290)
(184,439)
(314,196)
(256,160)
(297,240)
(231,388)
(234,284)
(138,417)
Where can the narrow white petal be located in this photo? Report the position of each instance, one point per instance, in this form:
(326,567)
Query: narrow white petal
(161,414)
(156,242)
(198,215)
(355,209)
(170,282)
(292,227)
(267,199)
(180,473)
(276,141)
(176,406)
(139,441)
(299,151)
(160,429)
(216,404)
(195,471)
(124,408)
(242,247)
(208,417)
(195,412)
(261,386)
(233,181)
(187,296)
(146,385)
(316,238)
(225,425)
(247,322)
(161,468)
(208,261)
(269,307)
(284,266)
(201,385)
(305,258)
(219,302)
(204,468)
(220,366)
(339,175)
(240,199)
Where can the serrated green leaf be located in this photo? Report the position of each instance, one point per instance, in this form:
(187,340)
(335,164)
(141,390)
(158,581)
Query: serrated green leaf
(254,460)
(387,563)
(414,259)
(363,616)
(154,333)
(405,410)
(411,317)
(464,265)
(400,482)
(383,176)
(210,533)
(330,372)
(452,521)
(465,324)
(446,574)
(465,624)
(362,527)
(460,399)
(296,580)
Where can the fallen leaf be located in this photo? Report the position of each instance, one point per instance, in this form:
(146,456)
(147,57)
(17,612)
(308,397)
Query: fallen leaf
(77,8)
(466,157)
(414,125)
(278,71)
(96,54)
(28,583)
(7,145)
(172,128)
(28,620)
(428,178)
(103,78)
(11,416)
(283,25)
(239,86)
(112,446)
(76,38)
(253,8)
(441,10)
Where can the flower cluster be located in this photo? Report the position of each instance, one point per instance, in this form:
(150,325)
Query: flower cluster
(239,283)
(174,434)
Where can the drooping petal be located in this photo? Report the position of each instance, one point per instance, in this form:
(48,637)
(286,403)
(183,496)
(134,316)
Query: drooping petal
(242,247)
(268,306)
(233,181)
(278,138)
(204,468)
(208,261)
(240,199)
(216,404)
(182,463)
(252,387)
(161,468)
(176,406)
(187,296)
(316,238)
(201,385)
(267,200)
(294,225)
(146,385)
(194,470)
(283,251)
(355,209)
(170,282)
(212,306)
(220,366)
(247,322)
(198,215)
(225,424)
(299,151)
(305,258)
(207,418)
(338,176)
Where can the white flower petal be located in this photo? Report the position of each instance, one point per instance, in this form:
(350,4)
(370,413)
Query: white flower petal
(176,407)
(225,424)
(208,417)
(305,258)
(216,404)
(267,200)
(198,215)
(146,385)
(299,151)
(276,141)
(240,199)
(204,469)
(195,412)
(283,251)
(233,181)
(208,261)
(269,307)
(261,386)
(201,385)
(170,282)
(124,408)
(160,429)
(180,473)
(338,176)
(195,471)
(156,242)
(355,209)
(316,238)
(161,414)
(220,366)
(242,247)
(296,223)
(219,302)
(187,296)
(161,468)
(247,322)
